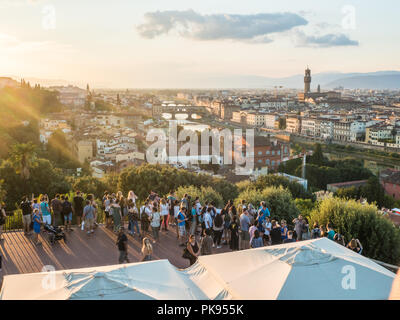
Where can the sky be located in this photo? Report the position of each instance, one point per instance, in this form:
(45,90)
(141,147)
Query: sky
(182,43)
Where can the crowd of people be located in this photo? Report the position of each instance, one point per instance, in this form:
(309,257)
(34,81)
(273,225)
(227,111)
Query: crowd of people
(200,228)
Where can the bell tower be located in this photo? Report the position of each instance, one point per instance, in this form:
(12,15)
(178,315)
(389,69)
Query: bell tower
(307,81)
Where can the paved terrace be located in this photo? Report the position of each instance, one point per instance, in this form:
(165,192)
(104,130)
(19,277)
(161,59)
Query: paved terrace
(21,255)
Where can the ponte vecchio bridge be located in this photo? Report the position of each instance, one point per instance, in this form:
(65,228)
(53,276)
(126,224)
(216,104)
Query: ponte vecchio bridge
(190,110)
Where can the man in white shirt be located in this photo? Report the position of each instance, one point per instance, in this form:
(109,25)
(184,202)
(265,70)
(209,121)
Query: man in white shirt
(267,227)
(208,219)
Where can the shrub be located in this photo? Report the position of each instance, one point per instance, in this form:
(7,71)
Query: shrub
(379,237)
(204,194)
(279,201)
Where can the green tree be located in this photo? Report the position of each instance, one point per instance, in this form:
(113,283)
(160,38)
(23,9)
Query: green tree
(317,157)
(282,123)
(43,179)
(379,237)
(23,158)
(90,185)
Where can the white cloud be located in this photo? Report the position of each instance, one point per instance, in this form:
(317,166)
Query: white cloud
(190,24)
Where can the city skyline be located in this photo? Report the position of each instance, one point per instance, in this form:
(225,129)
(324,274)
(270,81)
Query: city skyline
(158,45)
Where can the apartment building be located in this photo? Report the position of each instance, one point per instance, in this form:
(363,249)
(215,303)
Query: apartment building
(293,125)
(308,127)
(270,121)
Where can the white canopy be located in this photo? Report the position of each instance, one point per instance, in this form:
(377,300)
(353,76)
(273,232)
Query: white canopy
(314,269)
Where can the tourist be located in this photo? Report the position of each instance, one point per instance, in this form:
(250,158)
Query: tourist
(56,207)
(36,226)
(133,217)
(122,243)
(316,231)
(181,219)
(206,243)
(257,241)
(88,216)
(164,211)
(171,204)
(244,230)
(116,214)
(252,229)
(289,238)
(227,214)
(242,207)
(218,229)
(355,245)
(339,239)
(3,218)
(91,199)
(78,204)
(306,230)
(26,209)
(267,231)
(185,201)
(193,217)
(330,232)
(107,207)
(299,227)
(263,213)
(176,212)
(67,212)
(35,205)
(252,212)
(193,249)
(234,234)
(284,230)
(208,222)
(275,233)
(155,218)
(132,196)
(147,249)
(45,211)
(145,213)
(123,203)
(322,231)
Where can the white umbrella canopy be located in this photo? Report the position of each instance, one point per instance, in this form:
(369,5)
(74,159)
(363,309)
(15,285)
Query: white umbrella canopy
(136,281)
(308,270)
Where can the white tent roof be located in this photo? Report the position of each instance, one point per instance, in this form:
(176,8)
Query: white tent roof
(314,269)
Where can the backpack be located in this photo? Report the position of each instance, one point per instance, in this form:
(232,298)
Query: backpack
(67,207)
(218,221)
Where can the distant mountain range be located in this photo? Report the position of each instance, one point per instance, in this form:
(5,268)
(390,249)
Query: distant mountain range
(372,80)
(329,80)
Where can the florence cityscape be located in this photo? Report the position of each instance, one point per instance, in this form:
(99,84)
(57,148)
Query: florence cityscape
(169,150)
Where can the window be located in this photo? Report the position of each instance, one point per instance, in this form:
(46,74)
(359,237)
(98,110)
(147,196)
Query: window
(259,153)
(273,162)
(259,161)
(273,152)
(267,161)
(278,152)
(268,152)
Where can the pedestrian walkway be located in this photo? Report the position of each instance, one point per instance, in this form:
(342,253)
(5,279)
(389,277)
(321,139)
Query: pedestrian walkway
(21,255)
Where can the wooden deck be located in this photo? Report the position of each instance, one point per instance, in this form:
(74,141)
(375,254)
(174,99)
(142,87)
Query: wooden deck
(21,255)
